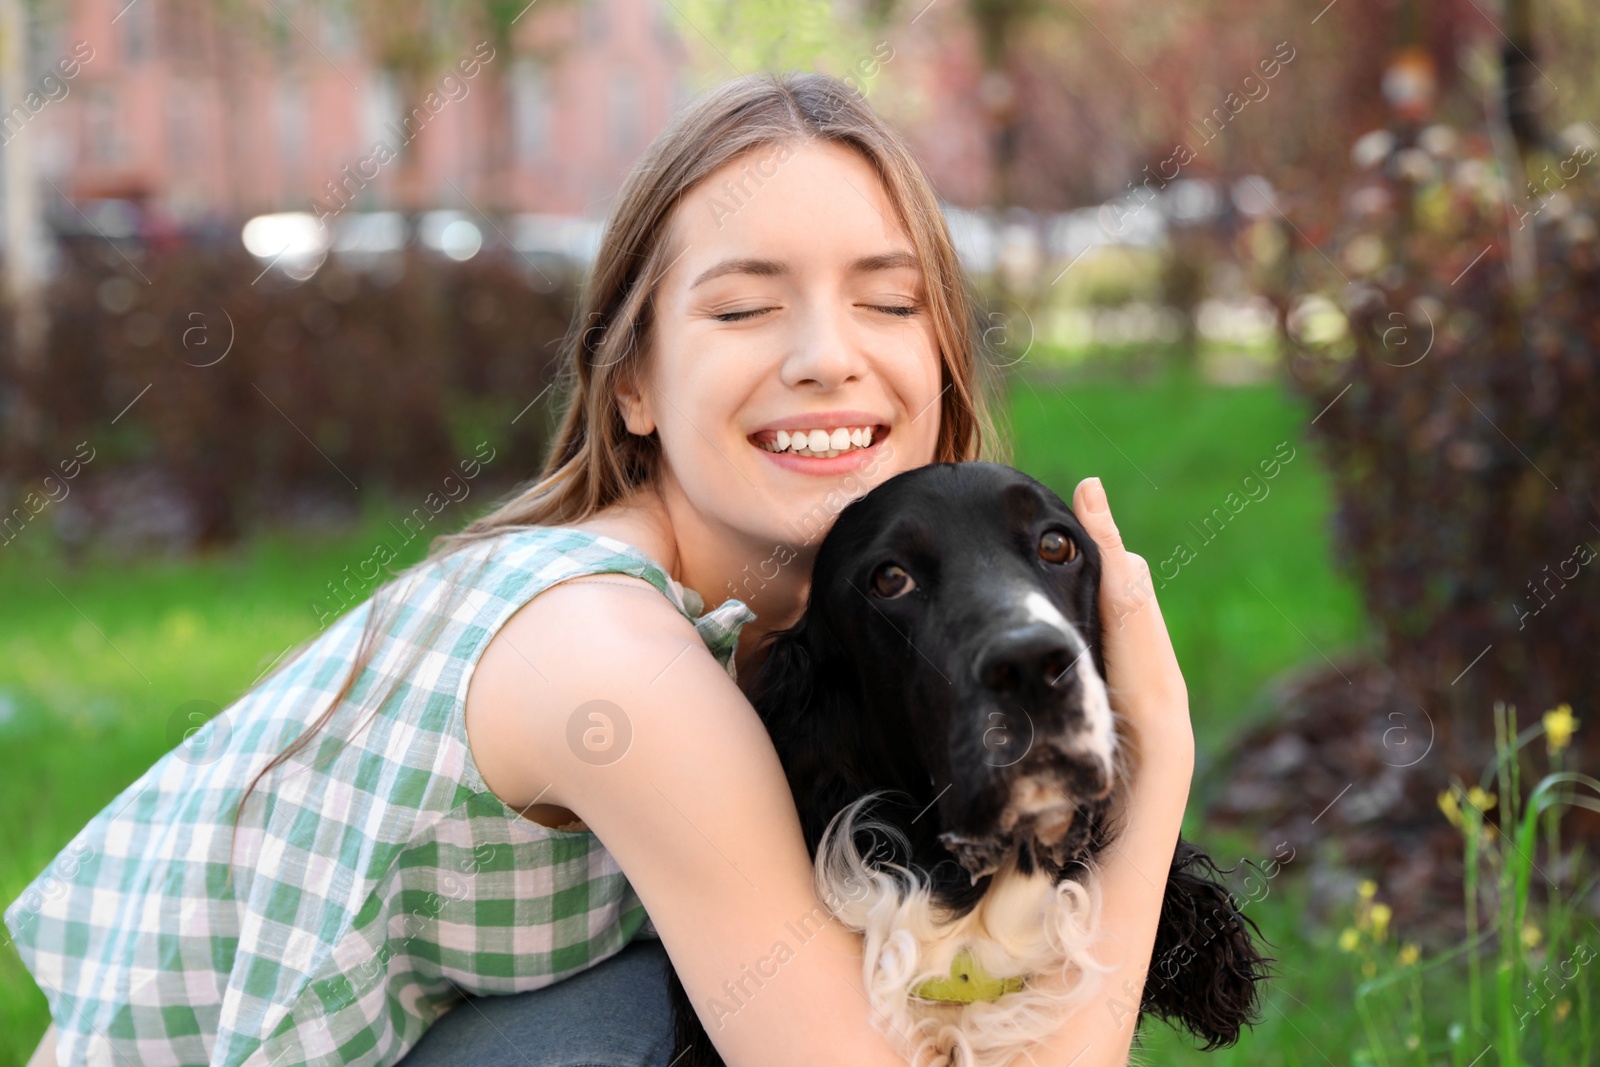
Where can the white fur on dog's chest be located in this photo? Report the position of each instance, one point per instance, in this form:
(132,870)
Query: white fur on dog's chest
(1024,925)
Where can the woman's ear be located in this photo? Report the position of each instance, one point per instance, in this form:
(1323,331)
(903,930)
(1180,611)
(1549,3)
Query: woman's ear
(635,409)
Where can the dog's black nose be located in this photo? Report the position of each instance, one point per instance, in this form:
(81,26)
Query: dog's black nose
(1031,659)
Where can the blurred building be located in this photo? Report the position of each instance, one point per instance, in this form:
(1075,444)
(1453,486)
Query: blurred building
(193,110)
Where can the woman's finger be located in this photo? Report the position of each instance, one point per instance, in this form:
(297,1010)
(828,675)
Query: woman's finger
(1131,618)
(1124,577)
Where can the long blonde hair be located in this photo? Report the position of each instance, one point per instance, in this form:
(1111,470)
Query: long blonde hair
(595,461)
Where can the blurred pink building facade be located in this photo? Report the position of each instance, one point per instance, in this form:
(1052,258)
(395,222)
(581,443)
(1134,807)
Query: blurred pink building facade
(200,110)
(189,111)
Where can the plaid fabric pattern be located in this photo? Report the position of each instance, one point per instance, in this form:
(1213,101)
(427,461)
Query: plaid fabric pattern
(373,882)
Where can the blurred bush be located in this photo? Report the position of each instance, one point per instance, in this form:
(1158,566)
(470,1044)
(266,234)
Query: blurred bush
(1459,397)
(203,384)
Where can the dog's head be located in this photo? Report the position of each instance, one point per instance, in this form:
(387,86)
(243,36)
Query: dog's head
(953,625)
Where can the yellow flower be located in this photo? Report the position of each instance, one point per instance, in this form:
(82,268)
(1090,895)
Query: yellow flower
(1450,806)
(1563,1009)
(1559,725)
(1479,799)
(1409,954)
(1368,889)
(1349,939)
(1530,935)
(1380,920)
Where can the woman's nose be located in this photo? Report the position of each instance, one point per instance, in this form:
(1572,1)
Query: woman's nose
(825,349)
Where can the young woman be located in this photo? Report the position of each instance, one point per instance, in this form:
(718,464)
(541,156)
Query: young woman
(482,780)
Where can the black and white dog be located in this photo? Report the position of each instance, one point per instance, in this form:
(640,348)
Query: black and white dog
(941,713)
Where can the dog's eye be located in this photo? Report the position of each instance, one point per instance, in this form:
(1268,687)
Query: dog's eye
(1057,547)
(891,580)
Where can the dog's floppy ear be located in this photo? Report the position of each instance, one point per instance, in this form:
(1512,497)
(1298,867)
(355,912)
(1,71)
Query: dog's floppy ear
(1206,971)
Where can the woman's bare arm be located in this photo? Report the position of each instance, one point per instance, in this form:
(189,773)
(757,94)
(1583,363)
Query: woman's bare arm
(45,1054)
(696,811)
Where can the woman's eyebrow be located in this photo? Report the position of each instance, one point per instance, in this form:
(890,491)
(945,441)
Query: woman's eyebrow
(772,268)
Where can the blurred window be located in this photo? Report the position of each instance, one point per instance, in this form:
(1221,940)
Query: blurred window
(530,110)
(189,40)
(102,131)
(47,42)
(184,122)
(284,40)
(134,26)
(338,32)
(625,110)
(380,106)
(184,32)
(666,30)
(594,20)
(293,128)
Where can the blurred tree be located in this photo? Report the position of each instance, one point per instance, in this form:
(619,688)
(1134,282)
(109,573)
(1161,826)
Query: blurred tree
(1521,78)
(1457,411)
(1000,25)
(416,41)
(745,36)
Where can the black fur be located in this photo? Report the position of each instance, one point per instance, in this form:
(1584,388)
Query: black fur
(865,694)
(1205,971)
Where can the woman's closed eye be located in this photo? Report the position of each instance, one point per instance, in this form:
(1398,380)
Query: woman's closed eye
(737,316)
(899,311)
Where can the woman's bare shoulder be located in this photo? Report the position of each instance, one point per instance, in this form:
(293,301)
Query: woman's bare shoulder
(587,638)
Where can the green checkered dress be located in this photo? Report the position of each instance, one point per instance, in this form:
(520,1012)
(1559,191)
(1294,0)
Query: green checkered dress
(374,882)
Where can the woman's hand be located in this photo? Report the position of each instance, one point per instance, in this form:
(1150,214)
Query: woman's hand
(1142,675)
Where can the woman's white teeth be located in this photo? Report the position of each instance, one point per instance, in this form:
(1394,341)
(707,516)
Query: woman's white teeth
(822,443)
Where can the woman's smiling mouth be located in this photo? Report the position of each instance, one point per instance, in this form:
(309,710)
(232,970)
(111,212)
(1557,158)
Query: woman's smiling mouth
(820,443)
(825,443)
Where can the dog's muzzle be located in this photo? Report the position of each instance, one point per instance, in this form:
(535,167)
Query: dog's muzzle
(1052,749)
(1043,683)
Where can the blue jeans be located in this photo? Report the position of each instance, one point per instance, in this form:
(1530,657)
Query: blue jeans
(615,1014)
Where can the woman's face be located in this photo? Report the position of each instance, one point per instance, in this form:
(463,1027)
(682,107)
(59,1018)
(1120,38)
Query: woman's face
(795,302)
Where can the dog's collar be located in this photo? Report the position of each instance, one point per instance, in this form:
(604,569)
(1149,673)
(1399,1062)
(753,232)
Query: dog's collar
(968,982)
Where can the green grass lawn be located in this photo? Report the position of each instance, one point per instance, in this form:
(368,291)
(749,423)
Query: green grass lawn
(99,666)
(1261,594)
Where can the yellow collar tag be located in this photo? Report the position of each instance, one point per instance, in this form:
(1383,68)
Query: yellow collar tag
(967,982)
